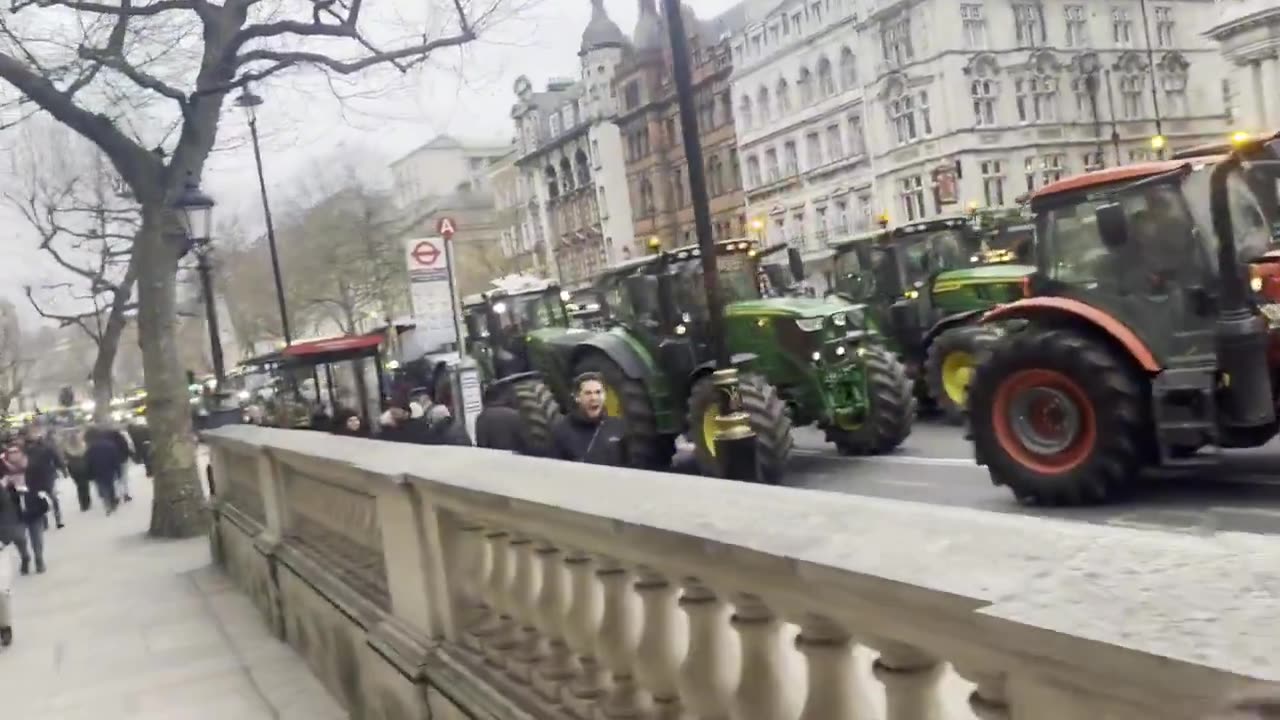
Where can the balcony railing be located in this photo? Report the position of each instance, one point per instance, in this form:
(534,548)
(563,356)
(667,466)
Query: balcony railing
(565,590)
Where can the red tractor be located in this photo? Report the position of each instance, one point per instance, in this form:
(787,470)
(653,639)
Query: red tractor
(1150,329)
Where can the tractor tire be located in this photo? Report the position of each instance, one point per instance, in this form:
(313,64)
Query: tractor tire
(1092,442)
(892,411)
(646,448)
(948,367)
(768,418)
(538,412)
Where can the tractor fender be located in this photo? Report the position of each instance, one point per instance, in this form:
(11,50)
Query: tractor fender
(740,361)
(951,321)
(632,363)
(516,377)
(1040,307)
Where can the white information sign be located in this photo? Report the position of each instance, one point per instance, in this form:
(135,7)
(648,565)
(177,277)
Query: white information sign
(471,396)
(430,291)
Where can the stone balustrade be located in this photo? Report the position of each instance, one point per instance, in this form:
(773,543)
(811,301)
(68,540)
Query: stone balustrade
(455,580)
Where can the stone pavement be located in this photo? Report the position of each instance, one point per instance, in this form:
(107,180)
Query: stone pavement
(126,628)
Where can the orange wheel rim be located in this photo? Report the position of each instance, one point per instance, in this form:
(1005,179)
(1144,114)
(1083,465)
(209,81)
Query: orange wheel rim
(1044,420)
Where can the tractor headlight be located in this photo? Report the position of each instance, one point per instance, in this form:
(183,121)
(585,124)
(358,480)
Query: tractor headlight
(839,319)
(681,329)
(816,356)
(810,324)
(1255,284)
(840,351)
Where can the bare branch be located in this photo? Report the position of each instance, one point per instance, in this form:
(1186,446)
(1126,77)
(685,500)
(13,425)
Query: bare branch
(153,8)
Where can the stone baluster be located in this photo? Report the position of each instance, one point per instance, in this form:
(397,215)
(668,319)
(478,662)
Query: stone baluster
(663,641)
(618,639)
(586,609)
(833,692)
(559,664)
(471,561)
(910,680)
(709,674)
(762,692)
(988,700)
(500,635)
(524,596)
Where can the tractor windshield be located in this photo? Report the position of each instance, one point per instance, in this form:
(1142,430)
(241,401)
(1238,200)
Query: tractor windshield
(738,279)
(930,252)
(853,276)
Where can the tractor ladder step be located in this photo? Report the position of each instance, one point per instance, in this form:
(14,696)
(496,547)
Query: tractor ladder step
(1184,413)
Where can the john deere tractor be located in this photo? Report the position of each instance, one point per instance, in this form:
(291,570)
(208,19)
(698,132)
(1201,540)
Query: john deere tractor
(927,285)
(1152,329)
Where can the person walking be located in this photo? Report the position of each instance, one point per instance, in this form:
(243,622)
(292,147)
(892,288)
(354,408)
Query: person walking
(442,429)
(124,448)
(140,436)
(349,422)
(11,530)
(498,426)
(44,464)
(104,464)
(31,507)
(588,434)
(73,455)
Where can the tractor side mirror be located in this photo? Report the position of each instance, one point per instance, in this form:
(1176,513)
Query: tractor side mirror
(796,262)
(1113,226)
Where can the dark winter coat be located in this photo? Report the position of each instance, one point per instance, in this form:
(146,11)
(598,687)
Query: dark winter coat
(103,459)
(29,504)
(122,445)
(500,428)
(10,520)
(446,431)
(340,424)
(597,442)
(43,464)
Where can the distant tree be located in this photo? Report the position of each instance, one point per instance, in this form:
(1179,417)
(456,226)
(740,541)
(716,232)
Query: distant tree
(15,359)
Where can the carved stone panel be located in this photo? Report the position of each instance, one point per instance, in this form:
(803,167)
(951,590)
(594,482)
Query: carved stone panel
(239,486)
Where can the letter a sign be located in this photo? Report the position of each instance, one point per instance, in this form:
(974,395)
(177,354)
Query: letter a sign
(446,227)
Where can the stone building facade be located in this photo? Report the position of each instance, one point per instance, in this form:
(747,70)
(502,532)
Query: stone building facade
(1248,33)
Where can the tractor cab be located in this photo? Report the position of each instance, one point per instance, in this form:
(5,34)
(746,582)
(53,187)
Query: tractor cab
(499,323)
(1150,331)
(586,309)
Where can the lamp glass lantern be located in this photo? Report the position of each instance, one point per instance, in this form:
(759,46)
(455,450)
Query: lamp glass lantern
(195,212)
(249,102)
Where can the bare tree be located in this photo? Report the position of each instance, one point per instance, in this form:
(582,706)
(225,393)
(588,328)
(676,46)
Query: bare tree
(103,68)
(86,223)
(14,361)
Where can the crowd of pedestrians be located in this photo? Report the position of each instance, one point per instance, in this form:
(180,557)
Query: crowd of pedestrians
(30,465)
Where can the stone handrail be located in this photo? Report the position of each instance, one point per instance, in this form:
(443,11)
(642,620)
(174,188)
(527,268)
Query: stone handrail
(559,590)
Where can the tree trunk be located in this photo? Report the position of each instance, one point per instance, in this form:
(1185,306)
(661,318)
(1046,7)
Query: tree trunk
(177,510)
(101,391)
(104,363)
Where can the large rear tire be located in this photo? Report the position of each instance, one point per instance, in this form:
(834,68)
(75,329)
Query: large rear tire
(768,418)
(538,412)
(891,411)
(948,368)
(646,448)
(1058,418)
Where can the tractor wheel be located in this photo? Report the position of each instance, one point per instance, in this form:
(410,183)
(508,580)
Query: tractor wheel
(949,365)
(891,412)
(538,411)
(768,417)
(1058,418)
(628,399)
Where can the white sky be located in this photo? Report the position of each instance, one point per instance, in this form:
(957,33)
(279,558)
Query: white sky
(303,127)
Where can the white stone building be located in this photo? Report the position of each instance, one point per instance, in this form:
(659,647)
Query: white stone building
(570,154)
(442,167)
(849,109)
(1248,32)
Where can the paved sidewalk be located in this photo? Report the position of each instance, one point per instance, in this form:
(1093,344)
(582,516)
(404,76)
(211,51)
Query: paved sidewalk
(126,628)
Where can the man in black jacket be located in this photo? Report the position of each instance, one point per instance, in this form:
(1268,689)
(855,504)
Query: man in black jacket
(588,434)
(105,464)
(43,465)
(498,427)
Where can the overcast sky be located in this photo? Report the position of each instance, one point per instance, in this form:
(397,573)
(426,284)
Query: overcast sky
(465,95)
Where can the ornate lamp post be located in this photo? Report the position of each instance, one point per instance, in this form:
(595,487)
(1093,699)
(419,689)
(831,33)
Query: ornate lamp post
(194,210)
(250,102)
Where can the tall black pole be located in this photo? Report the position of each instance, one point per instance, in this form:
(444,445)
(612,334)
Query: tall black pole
(683,76)
(1151,66)
(211,314)
(271,234)
(1091,83)
(1115,131)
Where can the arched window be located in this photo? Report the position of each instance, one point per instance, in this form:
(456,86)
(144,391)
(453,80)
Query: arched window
(805,83)
(826,81)
(983,91)
(646,197)
(1174,70)
(744,113)
(753,172)
(848,69)
(901,113)
(715,177)
(566,174)
(583,169)
(553,188)
(762,104)
(784,97)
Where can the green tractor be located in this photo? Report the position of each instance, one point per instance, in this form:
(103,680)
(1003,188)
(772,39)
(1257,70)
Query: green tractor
(927,285)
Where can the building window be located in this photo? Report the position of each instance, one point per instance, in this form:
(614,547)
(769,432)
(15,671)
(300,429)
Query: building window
(677,188)
(797,227)
(1164,26)
(771,170)
(1131,96)
(784,97)
(842,217)
(1041,171)
(735,171)
(813,150)
(1036,98)
(926,120)
(848,69)
(1121,27)
(835,143)
(895,40)
(974,26)
(911,192)
(805,83)
(715,176)
(857,136)
(1174,83)
(646,197)
(1084,104)
(744,113)
(1093,161)
(826,81)
(983,91)
(820,224)
(791,156)
(1138,155)
(753,172)
(902,118)
(1028,25)
(1077,26)
(992,182)
(762,105)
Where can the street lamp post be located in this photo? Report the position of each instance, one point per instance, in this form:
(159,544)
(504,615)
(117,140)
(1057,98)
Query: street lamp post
(249,101)
(195,213)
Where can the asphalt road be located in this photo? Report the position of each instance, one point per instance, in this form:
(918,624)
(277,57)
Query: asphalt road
(935,465)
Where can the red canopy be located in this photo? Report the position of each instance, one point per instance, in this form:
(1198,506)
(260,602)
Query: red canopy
(333,346)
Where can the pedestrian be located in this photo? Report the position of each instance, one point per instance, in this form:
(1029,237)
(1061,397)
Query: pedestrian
(126,452)
(393,425)
(140,435)
(442,429)
(74,448)
(44,464)
(30,506)
(104,465)
(348,422)
(7,563)
(588,434)
(498,427)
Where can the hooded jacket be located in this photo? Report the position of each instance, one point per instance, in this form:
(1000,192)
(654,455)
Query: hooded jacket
(601,441)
